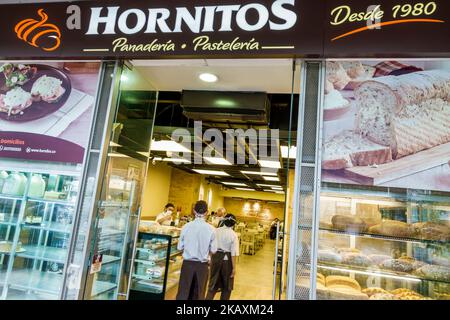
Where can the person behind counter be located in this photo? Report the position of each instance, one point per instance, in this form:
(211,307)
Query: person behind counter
(197,241)
(165,217)
(223,262)
(217,219)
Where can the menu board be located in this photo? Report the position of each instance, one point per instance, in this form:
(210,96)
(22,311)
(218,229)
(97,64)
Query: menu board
(387,123)
(46,109)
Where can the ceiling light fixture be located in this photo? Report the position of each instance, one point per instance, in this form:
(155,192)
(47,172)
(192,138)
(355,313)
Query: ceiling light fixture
(211,172)
(269,164)
(217,161)
(114,144)
(117,155)
(208,77)
(267,185)
(290,153)
(245,189)
(271,178)
(259,173)
(176,160)
(238,184)
(168,145)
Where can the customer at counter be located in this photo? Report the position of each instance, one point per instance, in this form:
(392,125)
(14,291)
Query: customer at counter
(223,262)
(165,218)
(198,242)
(217,219)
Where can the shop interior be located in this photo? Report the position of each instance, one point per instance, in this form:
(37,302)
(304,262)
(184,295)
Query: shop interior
(249,94)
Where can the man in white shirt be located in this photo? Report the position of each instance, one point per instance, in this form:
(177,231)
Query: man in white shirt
(223,262)
(165,217)
(198,241)
(217,219)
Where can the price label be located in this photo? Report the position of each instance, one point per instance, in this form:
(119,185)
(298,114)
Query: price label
(96,263)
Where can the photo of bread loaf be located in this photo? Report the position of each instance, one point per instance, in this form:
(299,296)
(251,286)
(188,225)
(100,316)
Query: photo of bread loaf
(398,125)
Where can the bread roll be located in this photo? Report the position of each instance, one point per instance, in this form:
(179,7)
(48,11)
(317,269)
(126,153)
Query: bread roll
(374,290)
(348,223)
(432,231)
(343,281)
(356,259)
(346,293)
(398,265)
(378,259)
(328,256)
(394,228)
(382,296)
(439,273)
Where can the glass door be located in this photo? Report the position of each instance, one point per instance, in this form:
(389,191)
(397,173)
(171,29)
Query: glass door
(118,209)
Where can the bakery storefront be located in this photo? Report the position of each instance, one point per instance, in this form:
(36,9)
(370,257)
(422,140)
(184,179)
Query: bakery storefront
(340,111)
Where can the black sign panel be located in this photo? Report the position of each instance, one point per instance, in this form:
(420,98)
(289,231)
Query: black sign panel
(232,28)
(388,28)
(160,28)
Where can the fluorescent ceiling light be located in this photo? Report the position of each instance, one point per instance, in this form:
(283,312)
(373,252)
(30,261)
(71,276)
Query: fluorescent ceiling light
(269,164)
(117,155)
(259,173)
(245,189)
(176,160)
(208,77)
(274,191)
(169,146)
(238,184)
(113,144)
(267,185)
(271,178)
(211,172)
(277,188)
(290,153)
(124,78)
(218,161)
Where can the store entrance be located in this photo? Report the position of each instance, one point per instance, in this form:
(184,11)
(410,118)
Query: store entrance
(223,132)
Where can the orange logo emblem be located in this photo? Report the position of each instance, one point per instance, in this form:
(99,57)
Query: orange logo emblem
(31,30)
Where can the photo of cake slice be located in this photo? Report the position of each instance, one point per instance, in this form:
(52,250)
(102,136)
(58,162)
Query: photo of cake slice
(15,101)
(48,89)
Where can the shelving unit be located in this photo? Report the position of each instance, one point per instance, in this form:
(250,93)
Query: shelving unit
(34,269)
(143,284)
(388,206)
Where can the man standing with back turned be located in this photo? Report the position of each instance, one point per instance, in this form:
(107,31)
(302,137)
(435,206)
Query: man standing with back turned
(197,240)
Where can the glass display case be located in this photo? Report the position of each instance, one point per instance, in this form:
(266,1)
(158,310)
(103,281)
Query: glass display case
(156,266)
(383,245)
(36,220)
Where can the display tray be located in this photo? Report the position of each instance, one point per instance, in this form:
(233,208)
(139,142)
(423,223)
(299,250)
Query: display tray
(376,236)
(376,271)
(50,226)
(101,287)
(9,252)
(146,285)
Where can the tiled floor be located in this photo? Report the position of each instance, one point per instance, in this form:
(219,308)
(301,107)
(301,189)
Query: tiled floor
(254,275)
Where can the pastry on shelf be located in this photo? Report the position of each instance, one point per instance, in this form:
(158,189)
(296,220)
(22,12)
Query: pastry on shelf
(356,259)
(394,228)
(328,255)
(382,296)
(399,265)
(374,290)
(342,280)
(343,250)
(348,223)
(432,231)
(345,293)
(429,271)
(378,259)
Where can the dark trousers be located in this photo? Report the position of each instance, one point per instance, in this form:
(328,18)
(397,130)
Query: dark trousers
(193,280)
(220,276)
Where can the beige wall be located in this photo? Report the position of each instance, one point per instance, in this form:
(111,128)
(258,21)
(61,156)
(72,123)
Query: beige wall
(157,188)
(184,190)
(236,206)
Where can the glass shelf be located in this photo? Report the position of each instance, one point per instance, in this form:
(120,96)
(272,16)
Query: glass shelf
(50,254)
(371,271)
(107,259)
(11,197)
(27,279)
(101,287)
(376,236)
(49,226)
(54,201)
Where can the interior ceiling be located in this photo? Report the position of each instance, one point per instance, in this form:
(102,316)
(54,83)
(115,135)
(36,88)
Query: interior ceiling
(169,78)
(265,75)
